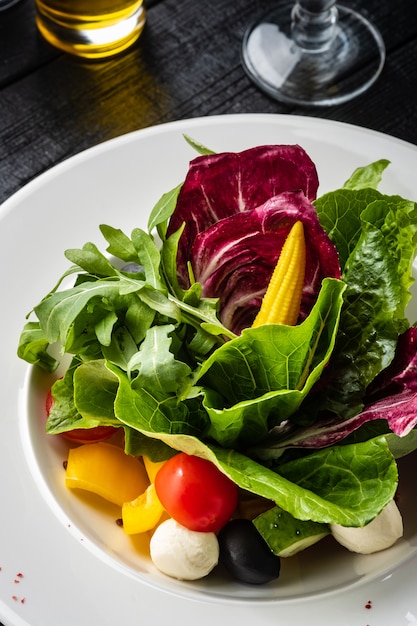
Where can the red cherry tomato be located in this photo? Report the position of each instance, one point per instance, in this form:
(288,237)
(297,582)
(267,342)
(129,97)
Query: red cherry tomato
(195,493)
(82,435)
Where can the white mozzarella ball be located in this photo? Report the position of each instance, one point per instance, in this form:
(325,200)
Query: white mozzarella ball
(182,553)
(378,535)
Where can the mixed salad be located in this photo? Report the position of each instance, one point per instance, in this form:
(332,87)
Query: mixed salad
(280,434)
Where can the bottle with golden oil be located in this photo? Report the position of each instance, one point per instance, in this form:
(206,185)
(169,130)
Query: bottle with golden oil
(92,29)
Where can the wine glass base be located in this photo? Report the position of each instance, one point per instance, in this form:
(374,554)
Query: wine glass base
(348,66)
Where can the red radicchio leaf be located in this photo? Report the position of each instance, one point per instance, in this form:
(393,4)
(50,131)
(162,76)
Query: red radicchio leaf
(393,394)
(402,373)
(220,185)
(392,397)
(236,256)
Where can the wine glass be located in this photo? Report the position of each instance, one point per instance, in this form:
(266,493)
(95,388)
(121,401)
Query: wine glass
(313,52)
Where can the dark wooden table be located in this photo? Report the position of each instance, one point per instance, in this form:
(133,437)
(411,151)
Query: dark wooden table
(186,64)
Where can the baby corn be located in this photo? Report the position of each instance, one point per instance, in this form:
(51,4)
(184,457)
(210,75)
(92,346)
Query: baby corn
(281,302)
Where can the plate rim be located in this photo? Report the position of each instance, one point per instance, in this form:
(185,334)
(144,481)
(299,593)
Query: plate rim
(64,166)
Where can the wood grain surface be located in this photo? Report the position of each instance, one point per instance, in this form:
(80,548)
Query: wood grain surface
(185,64)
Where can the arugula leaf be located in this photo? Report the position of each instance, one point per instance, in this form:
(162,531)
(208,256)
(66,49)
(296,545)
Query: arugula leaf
(91,260)
(162,211)
(198,147)
(169,263)
(149,257)
(201,313)
(76,317)
(156,366)
(165,206)
(123,345)
(108,311)
(119,244)
(33,347)
(205,315)
(79,308)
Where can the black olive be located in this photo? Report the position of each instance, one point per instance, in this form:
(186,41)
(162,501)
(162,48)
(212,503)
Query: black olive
(246,555)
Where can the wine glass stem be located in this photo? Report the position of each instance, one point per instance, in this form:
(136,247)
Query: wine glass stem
(314,24)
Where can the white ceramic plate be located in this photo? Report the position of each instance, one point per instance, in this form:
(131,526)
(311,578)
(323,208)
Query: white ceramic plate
(64,562)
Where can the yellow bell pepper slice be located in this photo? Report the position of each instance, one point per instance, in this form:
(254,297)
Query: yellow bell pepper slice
(143,513)
(152,467)
(106,470)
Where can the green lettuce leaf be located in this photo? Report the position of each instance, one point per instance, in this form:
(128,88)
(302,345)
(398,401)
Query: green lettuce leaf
(368,176)
(376,237)
(259,379)
(151,410)
(83,398)
(347,485)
